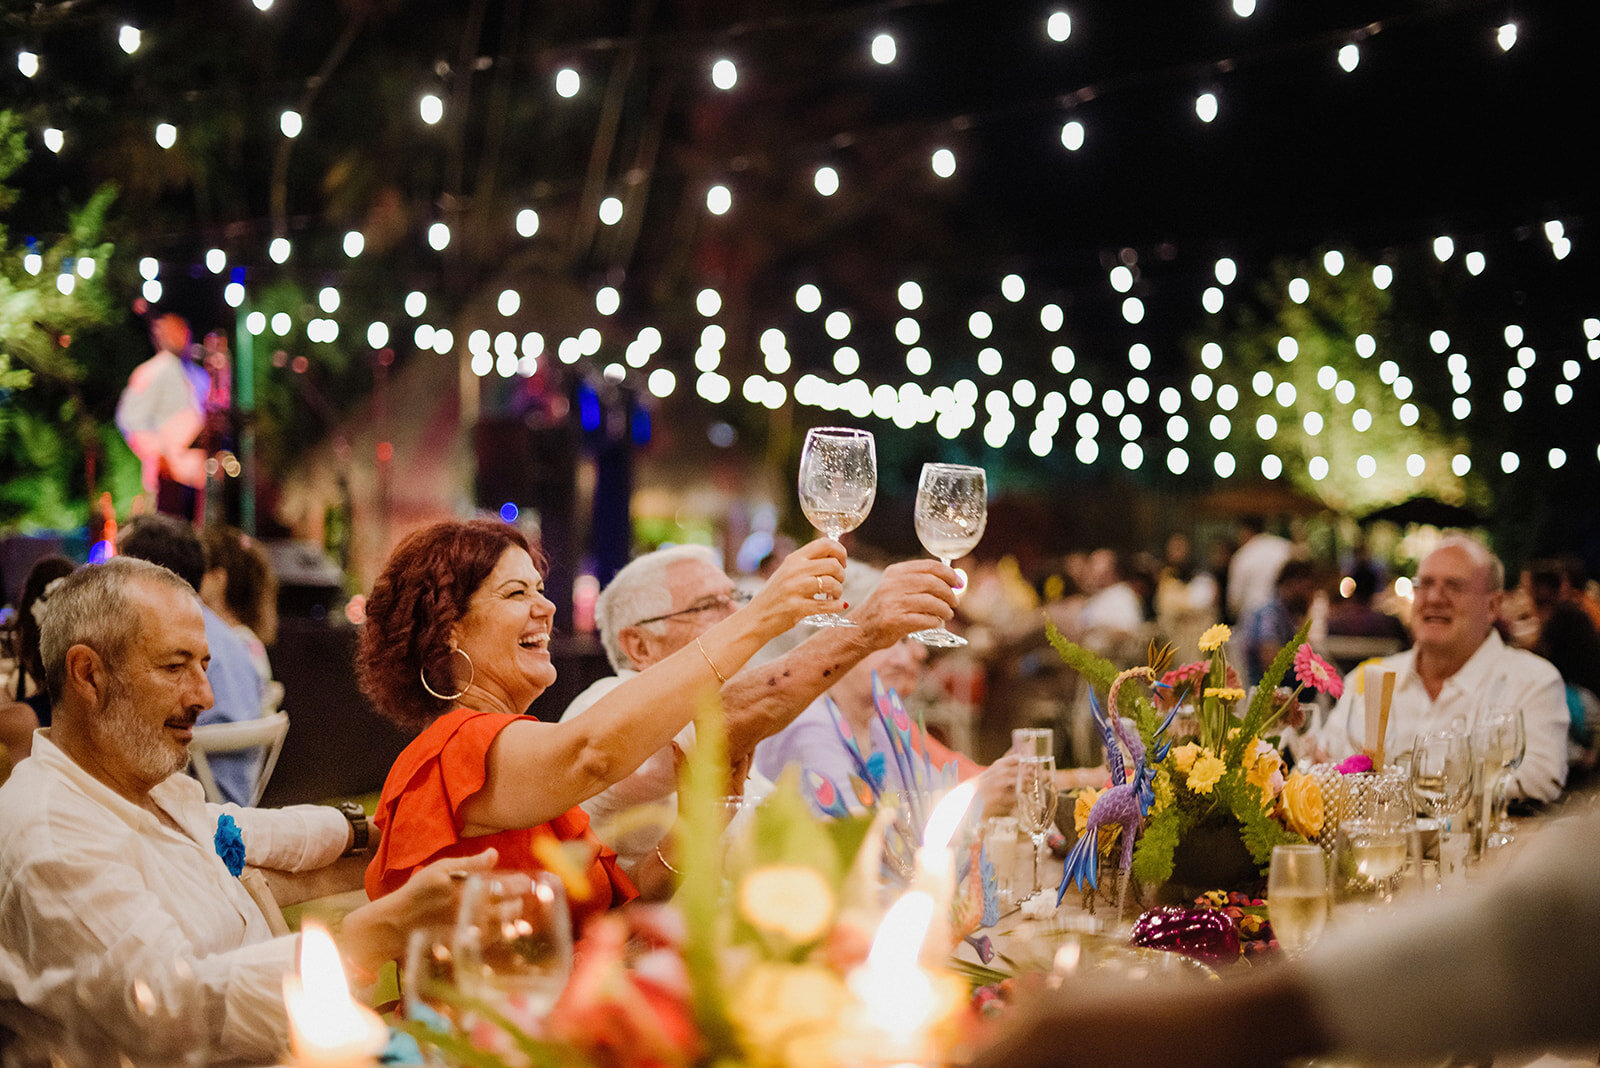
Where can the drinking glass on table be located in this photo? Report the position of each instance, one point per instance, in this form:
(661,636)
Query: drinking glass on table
(1033,741)
(1441,784)
(951,510)
(1499,741)
(1297,895)
(1375,826)
(513,944)
(838,480)
(427,977)
(1036,803)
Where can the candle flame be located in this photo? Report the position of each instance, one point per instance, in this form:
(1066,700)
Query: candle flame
(323,1018)
(947,816)
(896,995)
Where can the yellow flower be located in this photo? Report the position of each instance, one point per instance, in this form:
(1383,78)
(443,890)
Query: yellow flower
(1183,756)
(1260,776)
(787,1013)
(792,900)
(1302,804)
(1162,785)
(1205,773)
(1080,818)
(1214,636)
(1225,693)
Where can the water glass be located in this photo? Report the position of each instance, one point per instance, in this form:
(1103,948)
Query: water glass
(1297,895)
(1033,742)
(1000,842)
(513,943)
(1441,783)
(1499,741)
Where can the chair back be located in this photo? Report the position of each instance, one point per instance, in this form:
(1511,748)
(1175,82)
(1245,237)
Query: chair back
(265,733)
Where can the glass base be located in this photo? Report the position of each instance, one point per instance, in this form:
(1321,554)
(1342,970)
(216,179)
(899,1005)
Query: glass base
(939,638)
(829,619)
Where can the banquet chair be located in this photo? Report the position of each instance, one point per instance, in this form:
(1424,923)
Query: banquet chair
(265,733)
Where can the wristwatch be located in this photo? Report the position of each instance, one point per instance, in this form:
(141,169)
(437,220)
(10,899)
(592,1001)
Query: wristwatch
(358,825)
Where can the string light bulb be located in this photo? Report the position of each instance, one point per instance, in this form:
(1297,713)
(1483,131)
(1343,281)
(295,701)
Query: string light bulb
(883,49)
(430,108)
(724,74)
(28,63)
(128,38)
(166,134)
(54,139)
(567,83)
(1058,27)
(290,123)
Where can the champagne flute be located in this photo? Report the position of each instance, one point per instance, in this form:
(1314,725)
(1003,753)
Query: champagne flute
(951,510)
(1441,781)
(1297,895)
(429,975)
(838,480)
(513,943)
(1036,803)
(1499,740)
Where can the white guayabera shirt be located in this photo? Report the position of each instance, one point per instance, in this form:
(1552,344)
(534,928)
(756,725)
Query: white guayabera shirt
(119,932)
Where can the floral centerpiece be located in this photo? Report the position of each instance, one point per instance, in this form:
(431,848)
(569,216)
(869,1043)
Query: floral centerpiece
(1222,783)
(777,951)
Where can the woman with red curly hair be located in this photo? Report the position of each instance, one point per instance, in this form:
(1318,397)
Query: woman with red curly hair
(456,647)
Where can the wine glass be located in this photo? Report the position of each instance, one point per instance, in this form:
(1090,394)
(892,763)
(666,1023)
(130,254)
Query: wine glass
(513,943)
(1036,803)
(1499,740)
(951,510)
(428,976)
(1297,895)
(838,480)
(1441,781)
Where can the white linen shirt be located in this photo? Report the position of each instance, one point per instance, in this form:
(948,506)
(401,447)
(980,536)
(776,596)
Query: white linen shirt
(118,932)
(1496,672)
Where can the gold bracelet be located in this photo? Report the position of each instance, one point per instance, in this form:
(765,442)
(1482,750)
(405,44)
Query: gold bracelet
(665,863)
(720,676)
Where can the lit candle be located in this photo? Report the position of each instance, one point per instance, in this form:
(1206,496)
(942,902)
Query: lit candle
(936,861)
(327,1028)
(898,1000)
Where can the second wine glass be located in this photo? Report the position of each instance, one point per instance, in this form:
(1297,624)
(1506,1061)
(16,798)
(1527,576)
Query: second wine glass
(838,481)
(951,510)
(1036,803)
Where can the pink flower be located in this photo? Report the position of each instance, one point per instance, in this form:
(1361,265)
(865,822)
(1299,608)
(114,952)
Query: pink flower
(1316,672)
(1180,679)
(1354,765)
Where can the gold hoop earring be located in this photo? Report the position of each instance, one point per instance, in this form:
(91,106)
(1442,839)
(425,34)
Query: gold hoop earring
(472,672)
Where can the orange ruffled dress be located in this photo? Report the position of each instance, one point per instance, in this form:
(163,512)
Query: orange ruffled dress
(419,814)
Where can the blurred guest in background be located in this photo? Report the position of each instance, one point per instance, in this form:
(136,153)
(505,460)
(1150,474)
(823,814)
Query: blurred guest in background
(235,685)
(1115,609)
(1567,639)
(239,586)
(160,414)
(1253,571)
(1270,627)
(31,709)
(1186,599)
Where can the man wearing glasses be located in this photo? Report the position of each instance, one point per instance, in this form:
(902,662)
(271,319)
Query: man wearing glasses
(1459,667)
(664,600)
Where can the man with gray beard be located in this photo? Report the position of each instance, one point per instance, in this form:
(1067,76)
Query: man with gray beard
(124,928)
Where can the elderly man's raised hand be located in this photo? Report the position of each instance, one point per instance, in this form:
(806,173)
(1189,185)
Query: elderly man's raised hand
(913,595)
(792,592)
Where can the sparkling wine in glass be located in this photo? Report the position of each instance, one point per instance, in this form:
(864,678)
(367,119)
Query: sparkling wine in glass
(513,944)
(1036,803)
(838,480)
(1499,741)
(951,510)
(1297,895)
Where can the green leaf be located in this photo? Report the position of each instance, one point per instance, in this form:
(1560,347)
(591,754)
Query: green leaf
(1152,854)
(1257,829)
(1261,710)
(699,836)
(1096,670)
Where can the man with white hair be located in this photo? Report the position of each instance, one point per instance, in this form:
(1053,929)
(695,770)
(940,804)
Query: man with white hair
(1459,667)
(124,928)
(664,600)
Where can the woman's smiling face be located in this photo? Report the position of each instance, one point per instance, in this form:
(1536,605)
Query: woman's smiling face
(506,632)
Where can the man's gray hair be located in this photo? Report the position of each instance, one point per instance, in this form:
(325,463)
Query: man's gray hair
(92,607)
(1480,554)
(639,591)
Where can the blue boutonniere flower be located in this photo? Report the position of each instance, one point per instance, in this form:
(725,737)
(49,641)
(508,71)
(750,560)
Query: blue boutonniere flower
(229,844)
